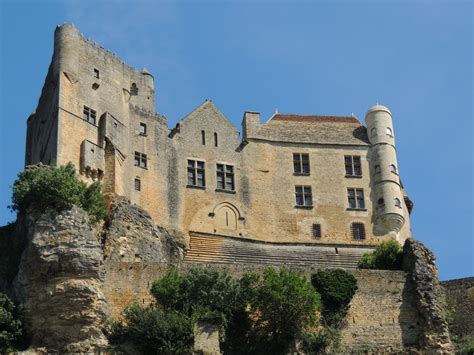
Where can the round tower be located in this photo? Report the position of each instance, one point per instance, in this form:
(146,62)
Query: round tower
(149,82)
(66,44)
(387,193)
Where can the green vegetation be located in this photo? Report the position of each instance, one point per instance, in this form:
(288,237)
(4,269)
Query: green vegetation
(326,340)
(10,325)
(57,188)
(386,256)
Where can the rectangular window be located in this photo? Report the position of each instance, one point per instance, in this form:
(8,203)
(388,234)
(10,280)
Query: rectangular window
(196,173)
(89,115)
(316,231)
(352,164)
(216,143)
(140,160)
(203,137)
(356,198)
(225,177)
(358,231)
(142,130)
(303,195)
(138,184)
(301,163)
(96,73)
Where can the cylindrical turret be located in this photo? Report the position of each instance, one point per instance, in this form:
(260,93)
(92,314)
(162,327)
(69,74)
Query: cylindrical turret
(66,58)
(386,181)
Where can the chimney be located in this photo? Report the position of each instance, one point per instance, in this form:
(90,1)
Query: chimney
(250,123)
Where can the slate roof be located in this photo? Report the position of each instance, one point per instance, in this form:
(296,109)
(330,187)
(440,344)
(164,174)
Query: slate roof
(315,129)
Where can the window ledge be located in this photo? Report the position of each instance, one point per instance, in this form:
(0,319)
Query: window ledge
(354,176)
(301,174)
(141,167)
(357,209)
(304,207)
(226,191)
(196,187)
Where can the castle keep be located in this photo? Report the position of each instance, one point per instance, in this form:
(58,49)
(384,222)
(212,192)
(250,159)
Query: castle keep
(294,179)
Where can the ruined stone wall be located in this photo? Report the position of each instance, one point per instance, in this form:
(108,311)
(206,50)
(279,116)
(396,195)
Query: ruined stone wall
(460,302)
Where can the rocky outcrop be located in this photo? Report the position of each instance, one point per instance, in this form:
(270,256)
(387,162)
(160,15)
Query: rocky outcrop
(419,262)
(132,236)
(60,282)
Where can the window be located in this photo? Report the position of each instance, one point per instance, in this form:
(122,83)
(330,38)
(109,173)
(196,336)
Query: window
(140,160)
(352,164)
(373,132)
(225,177)
(138,184)
(142,130)
(381,201)
(96,73)
(301,163)
(196,173)
(393,168)
(89,115)
(203,137)
(389,132)
(316,231)
(398,202)
(377,169)
(216,143)
(134,89)
(303,195)
(358,231)
(356,198)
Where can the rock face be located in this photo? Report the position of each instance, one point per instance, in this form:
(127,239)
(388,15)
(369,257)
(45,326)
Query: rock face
(419,262)
(60,282)
(132,236)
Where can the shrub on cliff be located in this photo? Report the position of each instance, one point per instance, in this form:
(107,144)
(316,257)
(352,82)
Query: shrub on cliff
(386,256)
(336,287)
(57,188)
(155,331)
(10,326)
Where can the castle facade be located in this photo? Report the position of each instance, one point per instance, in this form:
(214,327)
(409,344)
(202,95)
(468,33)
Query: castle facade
(310,179)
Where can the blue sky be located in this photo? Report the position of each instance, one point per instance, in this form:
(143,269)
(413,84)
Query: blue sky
(306,57)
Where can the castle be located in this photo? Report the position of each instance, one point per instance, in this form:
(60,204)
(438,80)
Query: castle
(308,179)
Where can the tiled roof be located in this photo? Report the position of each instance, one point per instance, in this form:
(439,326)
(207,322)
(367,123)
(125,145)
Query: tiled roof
(314,129)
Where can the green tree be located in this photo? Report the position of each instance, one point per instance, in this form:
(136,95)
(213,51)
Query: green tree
(387,255)
(57,188)
(10,325)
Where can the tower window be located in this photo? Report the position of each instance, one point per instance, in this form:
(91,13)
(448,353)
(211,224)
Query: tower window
(397,202)
(216,143)
(373,132)
(301,163)
(196,173)
(225,177)
(203,137)
(393,168)
(389,132)
(96,73)
(138,184)
(356,198)
(353,166)
(303,195)
(358,231)
(381,201)
(316,231)
(134,89)
(377,169)
(142,130)
(140,160)
(89,115)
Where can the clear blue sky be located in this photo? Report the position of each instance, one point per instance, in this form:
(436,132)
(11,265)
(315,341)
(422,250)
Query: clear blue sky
(314,57)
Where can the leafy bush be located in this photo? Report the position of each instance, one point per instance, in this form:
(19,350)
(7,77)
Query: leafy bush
(201,293)
(325,341)
(386,256)
(336,287)
(57,188)
(10,326)
(154,331)
(285,304)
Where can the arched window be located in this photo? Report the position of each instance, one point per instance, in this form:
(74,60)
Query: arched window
(381,201)
(358,231)
(216,143)
(377,169)
(134,89)
(393,168)
(373,132)
(389,132)
(397,202)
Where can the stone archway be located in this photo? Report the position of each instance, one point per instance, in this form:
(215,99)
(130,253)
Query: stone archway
(226,217)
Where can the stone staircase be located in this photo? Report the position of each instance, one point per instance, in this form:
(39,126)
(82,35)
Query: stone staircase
(230,250)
